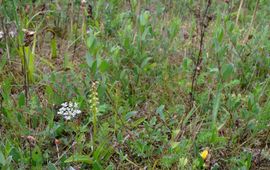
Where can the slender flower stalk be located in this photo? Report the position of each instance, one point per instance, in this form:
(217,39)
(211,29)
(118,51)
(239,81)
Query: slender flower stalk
(94,102)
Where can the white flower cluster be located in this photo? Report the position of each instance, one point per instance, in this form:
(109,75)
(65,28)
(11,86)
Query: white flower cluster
(69,110)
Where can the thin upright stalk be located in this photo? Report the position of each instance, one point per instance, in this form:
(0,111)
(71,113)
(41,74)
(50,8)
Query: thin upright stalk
(239,11)
(197,68)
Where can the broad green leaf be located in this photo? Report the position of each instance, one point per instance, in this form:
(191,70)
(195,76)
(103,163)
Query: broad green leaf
(21,100)
(89,59)
(15,154)
(160,112)
(104,66)
(145,33)
(37,156)
(186,64)
(232,83)
(2,158)
(145,62)
(51,166)
(213,70)
(220,35)
(90,41)
(94,66)
(131,114)
(227,71)
(144,18)
(174,144)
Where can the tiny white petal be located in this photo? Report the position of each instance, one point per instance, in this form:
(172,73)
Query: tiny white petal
(62,109)
(65,113)
(67,117)
(64,104)
(1,34)
(12,34)
(70,104)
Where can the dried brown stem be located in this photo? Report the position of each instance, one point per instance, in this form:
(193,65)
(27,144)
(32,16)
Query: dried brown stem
(203,25)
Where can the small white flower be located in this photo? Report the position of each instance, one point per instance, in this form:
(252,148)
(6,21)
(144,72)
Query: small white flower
(62,109)
(70,104)
(1,34)
(67,117)
(83,1)
(69,110)
(12,34)
(64,104)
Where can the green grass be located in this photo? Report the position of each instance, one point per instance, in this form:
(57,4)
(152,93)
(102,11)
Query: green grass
(157,81)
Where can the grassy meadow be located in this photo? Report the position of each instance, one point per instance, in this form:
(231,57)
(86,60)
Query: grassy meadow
(134,84)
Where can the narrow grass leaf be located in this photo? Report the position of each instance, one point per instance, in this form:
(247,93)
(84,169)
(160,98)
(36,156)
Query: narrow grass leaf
(216,106)
(79,159)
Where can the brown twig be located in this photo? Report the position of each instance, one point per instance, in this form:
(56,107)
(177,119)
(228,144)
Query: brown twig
(5,37)
(203,23)
(25,74)
(248,36)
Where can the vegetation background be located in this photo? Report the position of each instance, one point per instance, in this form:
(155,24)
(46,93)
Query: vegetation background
(160,84)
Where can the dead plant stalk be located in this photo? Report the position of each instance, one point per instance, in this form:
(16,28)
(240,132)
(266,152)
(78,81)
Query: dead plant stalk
(203,25)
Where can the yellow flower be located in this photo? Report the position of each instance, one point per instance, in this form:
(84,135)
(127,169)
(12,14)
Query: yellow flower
(204,153)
